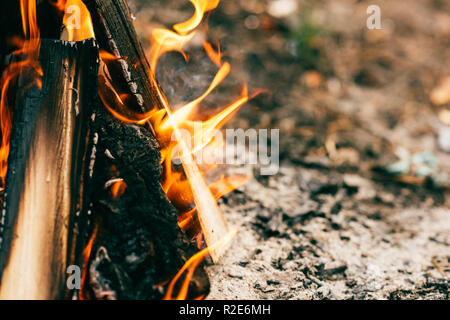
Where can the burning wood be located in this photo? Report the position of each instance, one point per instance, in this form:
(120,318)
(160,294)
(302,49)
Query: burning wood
(124,55)
(127,64)
(83,181)
(47,172)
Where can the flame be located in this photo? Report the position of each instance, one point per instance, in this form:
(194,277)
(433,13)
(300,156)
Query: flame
(118,188)
(86,255)
(215,56)
(191,265)
(28,53)
(163,41)
(77,19)
(200,6)
(107,57)
(192,136)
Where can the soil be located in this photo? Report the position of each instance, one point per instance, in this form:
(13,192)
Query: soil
(360,207)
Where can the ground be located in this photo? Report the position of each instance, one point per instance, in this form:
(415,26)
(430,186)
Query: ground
(360,208)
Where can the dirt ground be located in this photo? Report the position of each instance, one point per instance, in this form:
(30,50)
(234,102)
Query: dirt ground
(360,208)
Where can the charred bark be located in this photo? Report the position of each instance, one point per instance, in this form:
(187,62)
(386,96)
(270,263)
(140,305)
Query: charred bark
(139,243)
(47,180)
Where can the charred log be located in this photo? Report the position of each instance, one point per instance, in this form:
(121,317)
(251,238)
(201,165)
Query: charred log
(62,137)
(134,158)
(44,215)
(131,71)
(139,243)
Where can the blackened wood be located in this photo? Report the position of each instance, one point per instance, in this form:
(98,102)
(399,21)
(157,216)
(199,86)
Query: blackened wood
(131,72)
(131,265)
(138,244)
(46,200)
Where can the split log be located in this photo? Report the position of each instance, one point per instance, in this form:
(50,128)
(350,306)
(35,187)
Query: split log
(46,201)
(131,71)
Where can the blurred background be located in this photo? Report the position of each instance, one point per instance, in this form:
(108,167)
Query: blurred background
(342,95)
(364,119)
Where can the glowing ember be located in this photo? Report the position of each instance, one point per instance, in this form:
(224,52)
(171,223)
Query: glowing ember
(86,256)
(118,188)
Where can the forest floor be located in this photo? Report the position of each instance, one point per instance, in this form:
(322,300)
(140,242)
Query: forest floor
(360,207)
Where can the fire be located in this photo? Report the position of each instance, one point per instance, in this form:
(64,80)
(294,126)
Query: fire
(182,138)
(118,188)
(165,41)
(179,123)
(188,189)
(77,19)
(201,7)
(191,265)
(215,56)
(27,54)
(86,256)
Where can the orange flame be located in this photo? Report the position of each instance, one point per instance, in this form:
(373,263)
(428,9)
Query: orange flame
(168,124)
(118,188)
(191,265)
(215,56)
(86,256)
(106,56)
(77,19)
(200,6)
(164,41)
(28,53)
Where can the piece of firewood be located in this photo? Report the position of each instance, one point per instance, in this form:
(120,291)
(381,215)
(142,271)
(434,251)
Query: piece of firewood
(138,244)
(48,171)
(131,71)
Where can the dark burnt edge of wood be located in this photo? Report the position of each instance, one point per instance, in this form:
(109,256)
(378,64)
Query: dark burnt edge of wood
(131,73)
(52,53)
(139,229)
(80,228)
